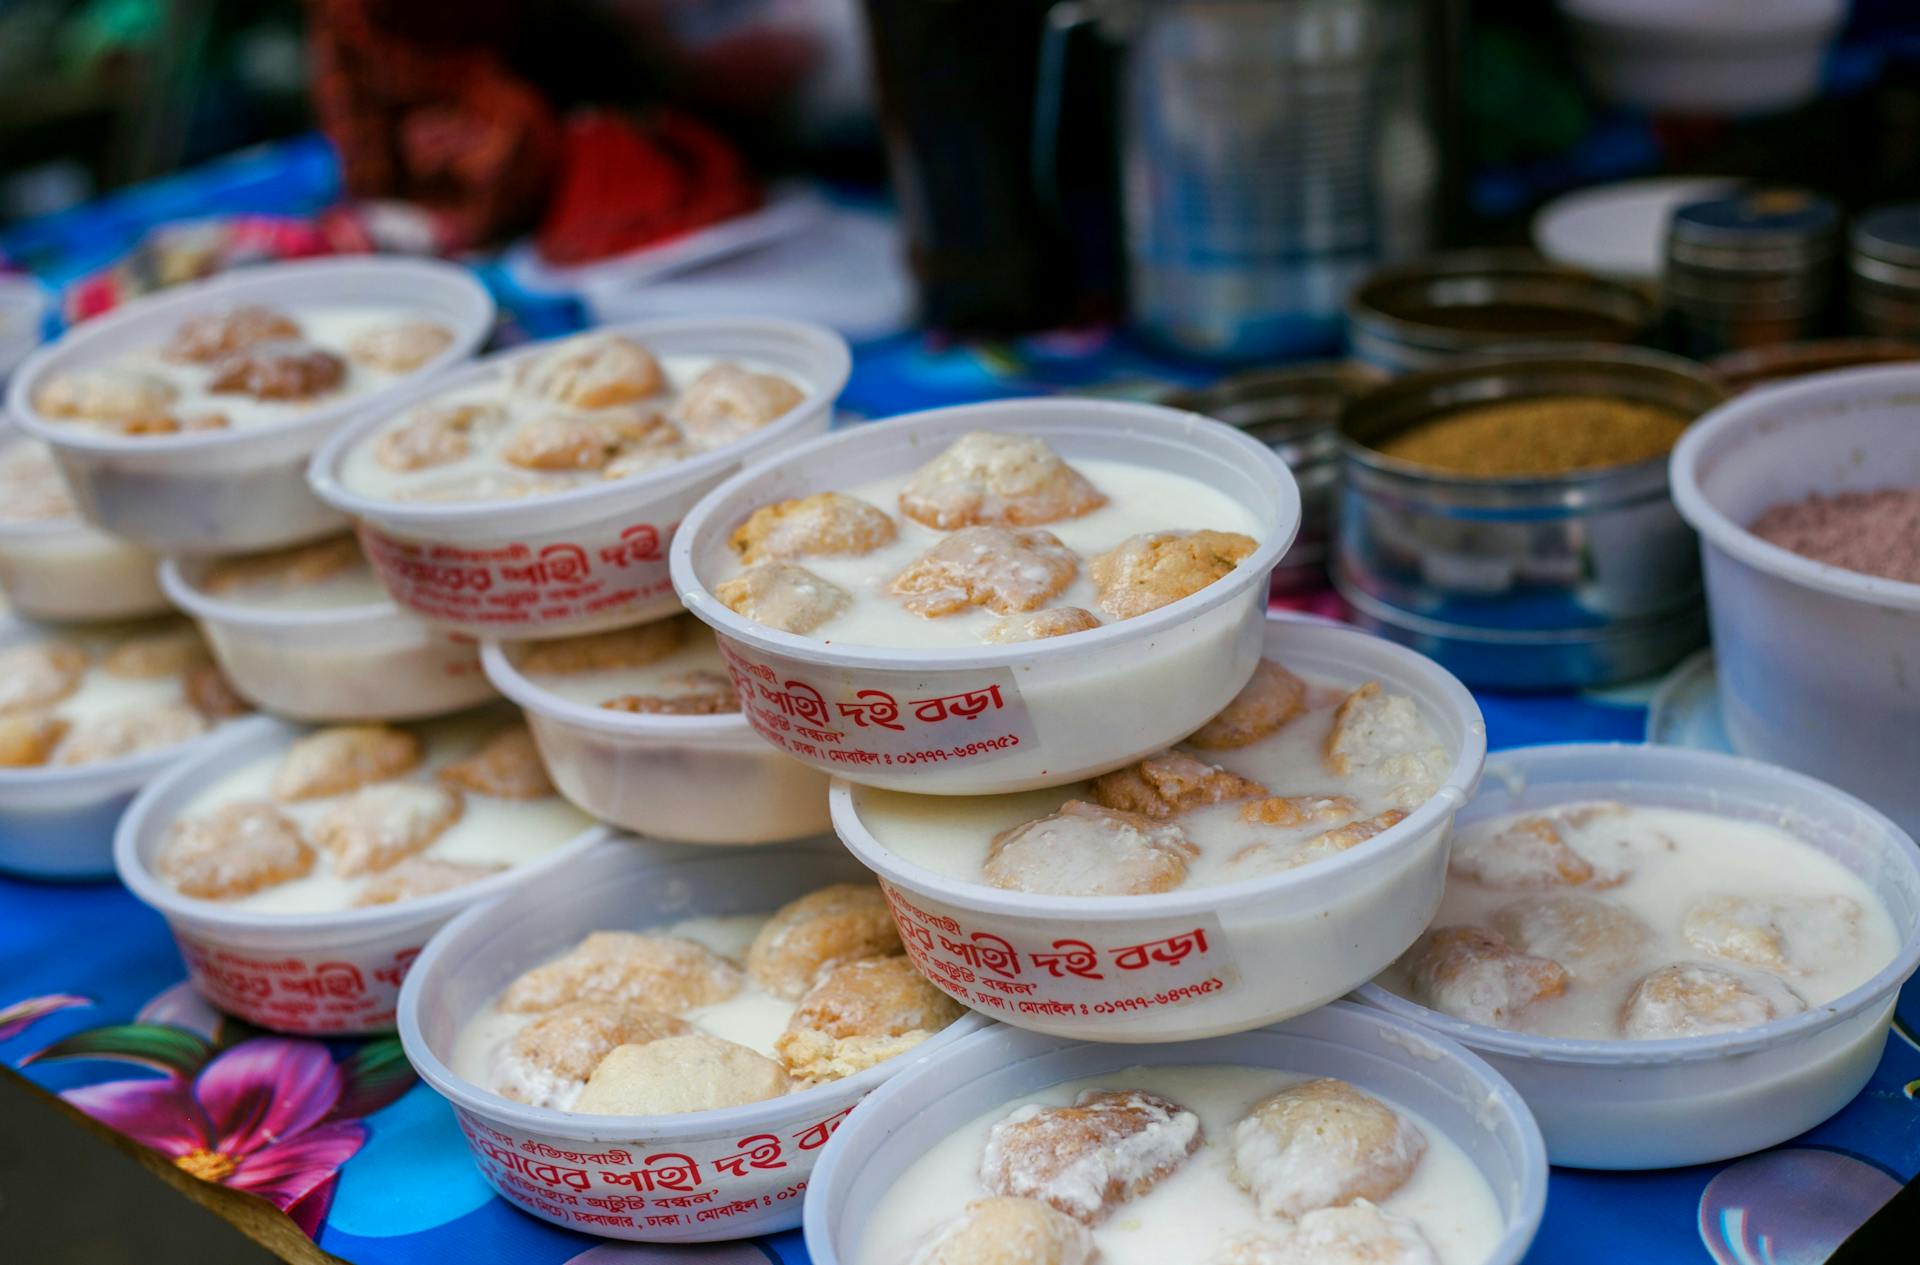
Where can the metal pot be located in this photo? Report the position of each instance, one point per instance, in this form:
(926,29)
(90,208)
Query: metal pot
(1535,583)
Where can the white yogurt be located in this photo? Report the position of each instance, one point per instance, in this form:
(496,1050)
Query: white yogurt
(331,328)
(1673,858)
(490,831)
(1186,1217)
(482,474)
(662,678)
(354,586)
(752,1017)
(1139,500)
(102,694)
(952,835)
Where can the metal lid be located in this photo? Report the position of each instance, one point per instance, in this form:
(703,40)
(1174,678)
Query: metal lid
(1466,300)
(1277,405)
(1758,230)
(1890,234)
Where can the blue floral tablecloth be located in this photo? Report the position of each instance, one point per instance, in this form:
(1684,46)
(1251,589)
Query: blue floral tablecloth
(370,1163)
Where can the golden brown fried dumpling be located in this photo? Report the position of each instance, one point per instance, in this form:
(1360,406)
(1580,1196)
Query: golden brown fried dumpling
(1087,850)
(591,371)
(859,1014)
(28,738)
(39,674)
(283,570)
(1168,784)
(235,850)
(506,766)
(1056,621)
(1322,1144)
(984,479)
(216,335)
(824,523)
(1328,843)
(728,402)
(1269,700)
(783,596)
(691,1072)
(378,826)
(663,973)
(1380,735)
(584,441)
(1145,572)
(1529,855)
(1085,1160)
(117,735)
(1785,935)
(549,1060)
(1004,1231)
(437,434)
(151,655)
(1002,570)
(342,758)
(1592,938)
(806,937)
(105,394)
(1691,999)
(278,371)
(1472,973)
(419,876)
(400,347)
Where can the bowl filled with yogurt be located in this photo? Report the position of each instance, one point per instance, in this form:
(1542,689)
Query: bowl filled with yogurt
(1675,956)
(184,421)
(991,597)
(655,1043)
(1339,1136)
(301,870)
(88,715)
(54,565)
(642,728)
(308,633)
(1275,857)
(534,493)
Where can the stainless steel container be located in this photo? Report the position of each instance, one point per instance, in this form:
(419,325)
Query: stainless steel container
(1570,580)
(1415,316)
(1883,292)
(1758,366)
(1293,411)
(1752,269)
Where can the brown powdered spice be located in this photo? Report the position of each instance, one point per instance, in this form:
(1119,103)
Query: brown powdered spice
(1539,437)
(1874,533)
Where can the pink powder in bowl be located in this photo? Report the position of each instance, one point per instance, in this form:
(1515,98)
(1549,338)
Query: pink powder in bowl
(1874,533)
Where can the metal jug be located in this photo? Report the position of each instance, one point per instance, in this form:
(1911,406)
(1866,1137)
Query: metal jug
(1273,152)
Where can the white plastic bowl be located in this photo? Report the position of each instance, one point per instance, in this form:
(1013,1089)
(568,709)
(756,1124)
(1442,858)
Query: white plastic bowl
(366,662)
(592,557)
(1819,667)
(1691,1100)
(245,488)
(690,1178)
(69,570)
(57,821)
(685,779)
(1062,708)
(1238,955)
(1709,56)
(1456,1093)
(335,973)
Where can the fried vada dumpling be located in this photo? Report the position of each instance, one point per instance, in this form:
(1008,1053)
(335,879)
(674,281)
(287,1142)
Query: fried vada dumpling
(1087,850)
(437,435)
(167,653)
(1085,1160)
(548,1061)
(691,1072)
(421,876)
(1168,784)
(235,850)
(116,735)
(216,335)
(1145,572)
(278,371)
(28,738)
(378,826)
(604,651)
(1003,1231)
(985,479)
(1003,570)
(506,766)
(1269,700)
(1691,999)
(592,371)
(400,347)
(1528,856)
(783,596)
(105,394)
(859,1014)
(585,441)
(695,694)
(843,922)
(1592,938)
(342,758)
(1786,935)
(39,674)
(824,523)
(662,973)
(283,570)
(728,402)
(1355,1234)
(1056,621)
(1322,1144)
(1472,973)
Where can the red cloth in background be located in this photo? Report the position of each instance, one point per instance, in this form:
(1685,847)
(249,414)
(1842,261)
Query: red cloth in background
(420,103)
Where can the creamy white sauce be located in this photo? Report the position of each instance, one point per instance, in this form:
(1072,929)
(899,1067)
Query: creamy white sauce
(483,474)
(752,1017)
(491,831)
(952,835)
(1189,1215)
(331,328)
(1673,858)
(1139,500)
(102,693)
(663,677)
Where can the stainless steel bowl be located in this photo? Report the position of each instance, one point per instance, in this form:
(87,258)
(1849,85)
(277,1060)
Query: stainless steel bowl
(1569,580)
(1416,316)
(1293,411)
